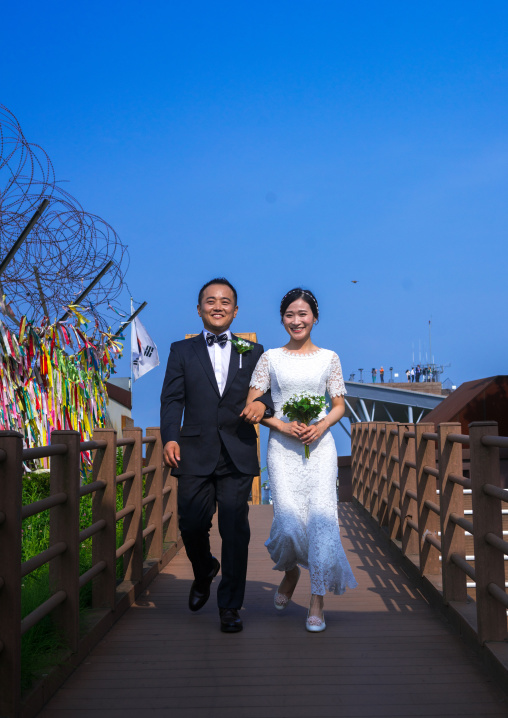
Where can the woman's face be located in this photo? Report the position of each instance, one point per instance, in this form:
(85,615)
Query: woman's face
(298,320)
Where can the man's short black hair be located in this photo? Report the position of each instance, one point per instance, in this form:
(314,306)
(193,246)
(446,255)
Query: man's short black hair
(218,280)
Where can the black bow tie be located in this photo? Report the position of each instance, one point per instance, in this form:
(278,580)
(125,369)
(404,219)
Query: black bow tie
(221,340)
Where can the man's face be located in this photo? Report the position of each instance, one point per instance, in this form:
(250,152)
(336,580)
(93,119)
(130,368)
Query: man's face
(217,308)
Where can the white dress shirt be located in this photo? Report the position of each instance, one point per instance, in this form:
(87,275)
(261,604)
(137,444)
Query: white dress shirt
(220,357)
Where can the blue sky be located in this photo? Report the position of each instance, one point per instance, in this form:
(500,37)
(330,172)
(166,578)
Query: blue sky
(284,144)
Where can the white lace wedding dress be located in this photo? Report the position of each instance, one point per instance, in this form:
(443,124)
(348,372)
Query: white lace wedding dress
(305,529)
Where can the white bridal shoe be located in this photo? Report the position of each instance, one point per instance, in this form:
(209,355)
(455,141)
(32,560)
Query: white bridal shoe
(314,624)
(280,601)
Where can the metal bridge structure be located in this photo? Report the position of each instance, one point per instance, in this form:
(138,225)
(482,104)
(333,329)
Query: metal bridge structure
(373,402)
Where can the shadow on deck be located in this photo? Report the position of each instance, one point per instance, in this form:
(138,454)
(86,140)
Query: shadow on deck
(385,652)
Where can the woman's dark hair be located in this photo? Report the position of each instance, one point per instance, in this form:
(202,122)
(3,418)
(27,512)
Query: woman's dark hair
(300,293)
(217,280)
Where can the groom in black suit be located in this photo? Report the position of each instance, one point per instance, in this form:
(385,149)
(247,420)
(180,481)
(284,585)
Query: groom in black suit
(214,453)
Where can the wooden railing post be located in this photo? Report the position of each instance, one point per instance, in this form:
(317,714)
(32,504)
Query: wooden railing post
(487,518)
(170,517)
(11,477)
(428,521)
(64,526)
(104,507)
(393,478)
(355,459)
(364,477)
(133,496)
(408,508)
(153,511)
(374,474)
(381,475)
(360,460)
(371,467)
(451,501)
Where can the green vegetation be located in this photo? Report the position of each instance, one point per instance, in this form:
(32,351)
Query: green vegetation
(42,646)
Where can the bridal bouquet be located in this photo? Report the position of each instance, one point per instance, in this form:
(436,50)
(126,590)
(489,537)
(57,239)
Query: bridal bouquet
(304,408)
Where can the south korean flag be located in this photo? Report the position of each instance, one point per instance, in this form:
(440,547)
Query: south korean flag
(144,353)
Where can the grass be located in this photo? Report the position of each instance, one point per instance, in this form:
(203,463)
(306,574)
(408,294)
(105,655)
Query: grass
(42,646)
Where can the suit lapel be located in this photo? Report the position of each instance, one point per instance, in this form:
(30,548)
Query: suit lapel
(234,365)
(201,350)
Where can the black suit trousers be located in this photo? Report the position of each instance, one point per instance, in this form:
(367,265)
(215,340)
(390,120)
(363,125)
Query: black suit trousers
(198,497)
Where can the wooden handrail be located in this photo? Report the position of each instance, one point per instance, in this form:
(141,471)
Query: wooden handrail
(501,442)
(126,511)
(91,573)
(43,557)
(125,476)
(150,499)
(498,593)
(91,530)
(432,506)
(422,469)
(149,469)
(496,491)
(464,566)
(92,445)
(91,487)
(462,522)
(460,480)
(125,547)
(43,452)
(458,438)
(497,542)
(434,541)
(42,611)
(43,505)
(431,471)
(126,441)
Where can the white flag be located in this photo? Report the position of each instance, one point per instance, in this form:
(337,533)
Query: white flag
(144,355)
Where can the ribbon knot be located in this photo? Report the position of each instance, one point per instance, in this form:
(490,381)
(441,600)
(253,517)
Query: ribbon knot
(221,340)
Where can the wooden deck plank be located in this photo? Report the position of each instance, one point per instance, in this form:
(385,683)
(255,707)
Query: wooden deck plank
(384,653)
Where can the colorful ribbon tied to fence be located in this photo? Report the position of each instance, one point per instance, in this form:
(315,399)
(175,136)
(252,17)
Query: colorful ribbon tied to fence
(52,376)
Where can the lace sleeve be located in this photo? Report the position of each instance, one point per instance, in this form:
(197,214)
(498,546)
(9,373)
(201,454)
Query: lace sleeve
(335,383)
(260,378)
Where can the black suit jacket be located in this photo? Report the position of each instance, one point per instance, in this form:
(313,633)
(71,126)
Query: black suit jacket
(190,388)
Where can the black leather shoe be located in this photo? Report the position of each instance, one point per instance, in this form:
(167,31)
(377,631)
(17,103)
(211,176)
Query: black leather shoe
(230,621)
(200,590)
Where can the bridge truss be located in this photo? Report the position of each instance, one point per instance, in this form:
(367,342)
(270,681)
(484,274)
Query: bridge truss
(368,402)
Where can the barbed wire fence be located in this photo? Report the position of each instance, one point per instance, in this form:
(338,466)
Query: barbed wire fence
(67,247)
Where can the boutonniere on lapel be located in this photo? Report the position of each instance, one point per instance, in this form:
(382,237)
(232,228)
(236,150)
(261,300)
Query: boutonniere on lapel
(241,347)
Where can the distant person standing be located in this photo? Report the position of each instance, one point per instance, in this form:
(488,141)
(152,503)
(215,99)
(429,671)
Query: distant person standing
(374,374)
(418,373)
(408,375)
(412,374)
(382,375)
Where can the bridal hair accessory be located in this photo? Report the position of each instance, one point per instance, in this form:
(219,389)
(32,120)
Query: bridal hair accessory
(304,408)
(298,292)
(241,347)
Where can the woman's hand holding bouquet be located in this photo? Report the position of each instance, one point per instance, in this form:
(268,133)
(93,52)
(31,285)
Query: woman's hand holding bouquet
(303,408)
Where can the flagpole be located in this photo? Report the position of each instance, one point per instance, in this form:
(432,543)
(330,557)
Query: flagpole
(132,383)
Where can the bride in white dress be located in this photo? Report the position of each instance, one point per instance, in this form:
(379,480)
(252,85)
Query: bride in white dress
(305,530)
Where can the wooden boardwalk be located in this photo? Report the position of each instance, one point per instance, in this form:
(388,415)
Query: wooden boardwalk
(385,652)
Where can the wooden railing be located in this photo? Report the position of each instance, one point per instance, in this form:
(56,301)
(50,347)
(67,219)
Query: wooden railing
(150,539)
(410,478)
